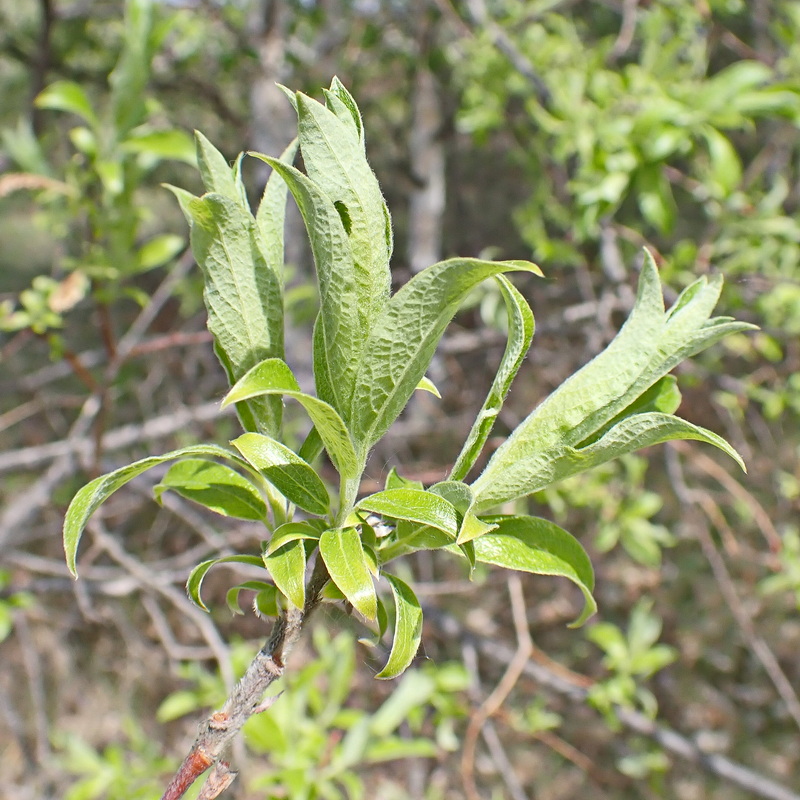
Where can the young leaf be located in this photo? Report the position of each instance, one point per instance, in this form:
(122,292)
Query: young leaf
(340,92)
(89,498)
(131,73)
(292,476)
(195,581)
(407,629)
(271,214)
(287,565)
(405,336)
(532,544)
(339,334)
(273,377)
(414,505)
(334,160)
(520,334)
(215,170)
(647,347)
(214,486)
(242,293)
(262,587)
(344,557)
(293,531)
(67,96)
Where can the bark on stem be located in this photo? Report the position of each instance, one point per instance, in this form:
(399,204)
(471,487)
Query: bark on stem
(246,698)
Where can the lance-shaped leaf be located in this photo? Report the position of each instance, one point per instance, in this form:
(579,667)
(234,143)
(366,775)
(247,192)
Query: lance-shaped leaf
(647,347)
(265,601)
(339,334)
(271,214)
(131,73)
(242,293)
(214,486)
(195,581)
(295,531)
(90,497)
(344,557)
(520,334)
(532,544)
(405,336)
(215,170)
(335,161)
(627,436)
(414,505)
(338,97)
(67,96)
(294,478)
(407,629)
(287,565)
(273,377)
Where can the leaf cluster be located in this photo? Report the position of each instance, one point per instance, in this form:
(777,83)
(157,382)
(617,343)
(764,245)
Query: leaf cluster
(371,350)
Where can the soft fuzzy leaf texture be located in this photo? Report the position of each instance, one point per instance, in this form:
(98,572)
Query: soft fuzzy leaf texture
(555,439)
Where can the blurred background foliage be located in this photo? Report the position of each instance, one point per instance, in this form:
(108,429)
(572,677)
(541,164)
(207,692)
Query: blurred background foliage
(573,132)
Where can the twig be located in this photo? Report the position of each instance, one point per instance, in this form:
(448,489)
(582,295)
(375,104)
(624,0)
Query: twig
(481,18)
(496,699)
(117,439)
(672,741)
(246,698)
(689,499)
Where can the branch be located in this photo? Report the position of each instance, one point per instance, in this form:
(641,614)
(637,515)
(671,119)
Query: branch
(672,741)
(246,698)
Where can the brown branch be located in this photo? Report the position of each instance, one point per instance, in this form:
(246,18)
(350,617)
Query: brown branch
(246,699)
(498,696)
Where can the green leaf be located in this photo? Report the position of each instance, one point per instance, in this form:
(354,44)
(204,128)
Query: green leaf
(293,531)
(265,591)
(128,80)
(650,344)
(159,250)
(334,159)
(287,565)
(286,471)
(195,581)
(344,557)
(214,486)
(243,294)
(215,170)
(532,544)
(172,144)
(414,505)
(339,91)
(427,385)
(89,498)
(273,377)
(520,334)
(271,214)
(67,96)
(407,629)
(405,336)
(339,334)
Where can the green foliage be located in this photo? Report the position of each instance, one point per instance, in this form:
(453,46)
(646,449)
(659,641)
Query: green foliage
(115,146)
(9,604)
(371,351)
(629,657)
(315,737)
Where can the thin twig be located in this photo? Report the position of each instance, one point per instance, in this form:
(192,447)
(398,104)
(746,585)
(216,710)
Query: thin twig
(498,696)
(676,744)
(690,500)
(246,698)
